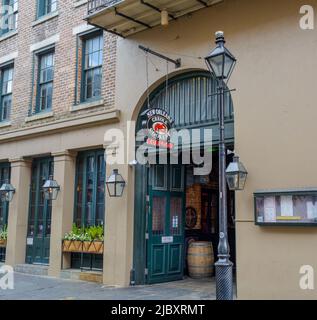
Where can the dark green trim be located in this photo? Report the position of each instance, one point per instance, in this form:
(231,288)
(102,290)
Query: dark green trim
(4,166)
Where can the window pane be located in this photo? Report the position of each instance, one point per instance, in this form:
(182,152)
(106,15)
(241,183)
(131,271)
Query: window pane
(46,76)
(92,66)
(6,107)
(91,193)
(158,215)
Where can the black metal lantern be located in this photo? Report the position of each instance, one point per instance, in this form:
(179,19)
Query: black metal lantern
(236,175)
(220,61)
(115,184)
(51,189)
(6,192)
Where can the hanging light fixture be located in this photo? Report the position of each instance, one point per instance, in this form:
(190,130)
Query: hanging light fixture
(236,175)
(6,192)
(164,18)
(115,184)
(51,189)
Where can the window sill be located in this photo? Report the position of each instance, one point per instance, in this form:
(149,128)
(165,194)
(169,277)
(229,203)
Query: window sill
(45,18)
(5,124)
(39,116)
(87,105)
(8,35)
(80,3)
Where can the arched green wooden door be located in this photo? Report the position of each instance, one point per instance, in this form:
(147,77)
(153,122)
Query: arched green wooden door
(159,207)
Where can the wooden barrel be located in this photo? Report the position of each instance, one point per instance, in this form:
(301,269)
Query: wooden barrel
(200,260)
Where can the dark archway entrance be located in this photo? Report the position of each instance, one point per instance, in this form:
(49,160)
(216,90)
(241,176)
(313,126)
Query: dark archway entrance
(173,207)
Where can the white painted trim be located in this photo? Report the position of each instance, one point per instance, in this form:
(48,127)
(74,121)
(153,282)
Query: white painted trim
(82,28)
(44,43)
(8,57)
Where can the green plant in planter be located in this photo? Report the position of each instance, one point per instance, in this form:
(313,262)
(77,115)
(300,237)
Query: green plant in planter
(92,233)
(4,233)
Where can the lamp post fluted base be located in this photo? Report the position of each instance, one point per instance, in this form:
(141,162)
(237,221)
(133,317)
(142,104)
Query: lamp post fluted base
(224,280)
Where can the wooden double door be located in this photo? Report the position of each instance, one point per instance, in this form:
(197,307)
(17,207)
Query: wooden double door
(165,244)
(40,210)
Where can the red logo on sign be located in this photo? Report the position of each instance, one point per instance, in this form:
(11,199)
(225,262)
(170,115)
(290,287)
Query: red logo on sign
(160,128)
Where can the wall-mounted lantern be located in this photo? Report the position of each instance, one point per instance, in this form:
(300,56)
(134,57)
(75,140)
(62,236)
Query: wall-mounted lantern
(236,175)
(51,189)
(115,184)
(6,192)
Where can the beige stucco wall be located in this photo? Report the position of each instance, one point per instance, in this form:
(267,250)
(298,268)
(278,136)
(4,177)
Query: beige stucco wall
(274,120)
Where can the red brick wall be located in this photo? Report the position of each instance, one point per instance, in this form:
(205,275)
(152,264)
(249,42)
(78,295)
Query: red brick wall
(65,61)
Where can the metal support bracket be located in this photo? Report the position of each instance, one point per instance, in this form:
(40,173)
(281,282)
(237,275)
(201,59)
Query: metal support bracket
(131,19)
(177,62)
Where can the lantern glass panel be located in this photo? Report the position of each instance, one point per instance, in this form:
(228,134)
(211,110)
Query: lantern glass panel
(233,181)
(215,64)
(228,65)
(111,189)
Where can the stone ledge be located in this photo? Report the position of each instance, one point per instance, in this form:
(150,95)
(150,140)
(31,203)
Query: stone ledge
(8,35)
(87,105)
(39,116)
(45,18)
(5,124)
(62,125)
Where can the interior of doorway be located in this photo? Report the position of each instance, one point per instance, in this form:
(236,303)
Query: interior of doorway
(202,211)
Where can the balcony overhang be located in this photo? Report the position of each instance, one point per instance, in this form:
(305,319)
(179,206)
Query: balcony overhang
(127,17)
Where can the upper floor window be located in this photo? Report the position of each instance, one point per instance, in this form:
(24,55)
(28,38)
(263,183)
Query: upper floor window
(6,92)
(45,7)
(9,19)
(45,81)
(92,66)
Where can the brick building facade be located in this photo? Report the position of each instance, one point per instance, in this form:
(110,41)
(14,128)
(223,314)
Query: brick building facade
(60,30)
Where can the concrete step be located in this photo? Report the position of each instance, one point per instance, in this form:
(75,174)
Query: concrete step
(75,274)
(33,269)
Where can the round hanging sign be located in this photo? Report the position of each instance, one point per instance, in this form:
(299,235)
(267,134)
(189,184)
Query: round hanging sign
(157,123)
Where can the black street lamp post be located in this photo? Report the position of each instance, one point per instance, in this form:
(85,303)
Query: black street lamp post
(221,64)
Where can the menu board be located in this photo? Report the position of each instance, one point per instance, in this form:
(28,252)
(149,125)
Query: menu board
(286,208)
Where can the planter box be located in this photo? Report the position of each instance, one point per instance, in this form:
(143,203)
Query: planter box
(72,246)
(94,247)
(3,243)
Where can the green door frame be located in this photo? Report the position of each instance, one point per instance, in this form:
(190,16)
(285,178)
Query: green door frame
(38,238)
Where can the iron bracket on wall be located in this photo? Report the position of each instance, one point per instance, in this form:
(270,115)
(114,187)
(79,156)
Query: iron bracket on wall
(177,62)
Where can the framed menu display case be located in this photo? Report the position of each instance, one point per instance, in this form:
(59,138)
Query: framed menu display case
(286,207)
